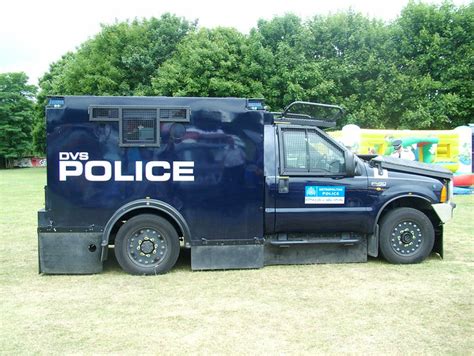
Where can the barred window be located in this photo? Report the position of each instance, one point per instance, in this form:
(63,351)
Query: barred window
(174,114)
(139,126)
(103,113)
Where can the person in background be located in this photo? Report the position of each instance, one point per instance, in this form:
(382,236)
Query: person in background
(402,152)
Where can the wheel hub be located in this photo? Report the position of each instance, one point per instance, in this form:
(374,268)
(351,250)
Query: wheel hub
(147,247)
(406,238)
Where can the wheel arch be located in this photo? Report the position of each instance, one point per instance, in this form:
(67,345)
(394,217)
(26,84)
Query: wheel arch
(414,201)
(144,206)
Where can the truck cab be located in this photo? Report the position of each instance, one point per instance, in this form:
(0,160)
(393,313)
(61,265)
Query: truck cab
(240,186)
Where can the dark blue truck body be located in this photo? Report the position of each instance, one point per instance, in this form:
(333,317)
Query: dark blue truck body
(223,174)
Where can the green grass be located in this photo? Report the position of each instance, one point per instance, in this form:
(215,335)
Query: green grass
(350,308)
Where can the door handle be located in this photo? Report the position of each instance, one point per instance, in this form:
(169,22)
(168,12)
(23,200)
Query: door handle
(283,184)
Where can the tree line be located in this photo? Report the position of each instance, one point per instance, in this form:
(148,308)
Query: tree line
(415,72)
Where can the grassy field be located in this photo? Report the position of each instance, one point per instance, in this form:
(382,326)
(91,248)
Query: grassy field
(350,308)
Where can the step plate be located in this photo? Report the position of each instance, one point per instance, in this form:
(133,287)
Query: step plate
(316,253)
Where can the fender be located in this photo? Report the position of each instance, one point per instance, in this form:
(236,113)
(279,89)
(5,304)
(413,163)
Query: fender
(139,204)
(394,199)
(373,241)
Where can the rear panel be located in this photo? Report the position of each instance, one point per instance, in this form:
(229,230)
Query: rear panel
(220,190)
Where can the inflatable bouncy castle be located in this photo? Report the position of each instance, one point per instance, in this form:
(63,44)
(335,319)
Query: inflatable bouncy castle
(451,149)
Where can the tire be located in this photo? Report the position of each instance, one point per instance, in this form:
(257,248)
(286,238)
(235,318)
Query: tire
(147,245)
(406,236)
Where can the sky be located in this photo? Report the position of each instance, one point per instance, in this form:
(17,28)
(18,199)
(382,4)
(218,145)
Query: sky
(35,33)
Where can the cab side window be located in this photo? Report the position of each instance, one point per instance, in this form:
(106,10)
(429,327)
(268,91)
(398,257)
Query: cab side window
(306,152)
(323,156)
(295,150)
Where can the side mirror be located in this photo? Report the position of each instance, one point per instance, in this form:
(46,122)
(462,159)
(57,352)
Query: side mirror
(350,163)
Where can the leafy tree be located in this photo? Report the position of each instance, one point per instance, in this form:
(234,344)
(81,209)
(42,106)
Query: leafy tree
(434,56)
(16,116)
(119,60)
(415,72)
(286,29)
(217,62)
(50,84)
(351,50)
(334,59)
(292,76)
(203,65)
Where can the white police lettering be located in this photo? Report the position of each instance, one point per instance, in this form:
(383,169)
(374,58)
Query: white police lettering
(138,171)
(118,173)
(157,178)
(104,168)
(65,172)
(183,171)
(74,156)
(71,164)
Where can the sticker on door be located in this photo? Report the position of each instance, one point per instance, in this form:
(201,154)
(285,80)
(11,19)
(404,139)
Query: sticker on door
(314,194)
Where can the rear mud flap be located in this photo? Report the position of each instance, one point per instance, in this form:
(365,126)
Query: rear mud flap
(69,252)
(226,257)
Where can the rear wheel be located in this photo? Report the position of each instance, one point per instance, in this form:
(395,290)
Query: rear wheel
(406,236)
(147,244)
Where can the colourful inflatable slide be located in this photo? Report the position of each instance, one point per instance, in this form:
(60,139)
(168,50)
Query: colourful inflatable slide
(451,149)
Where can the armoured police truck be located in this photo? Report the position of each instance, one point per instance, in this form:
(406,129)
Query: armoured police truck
(239,186)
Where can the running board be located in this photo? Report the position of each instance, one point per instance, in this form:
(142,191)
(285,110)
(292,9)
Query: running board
(303,248)
(283,243)
(292,239)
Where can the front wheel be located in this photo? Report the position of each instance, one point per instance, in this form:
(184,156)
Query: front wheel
(406,236)
(147,244)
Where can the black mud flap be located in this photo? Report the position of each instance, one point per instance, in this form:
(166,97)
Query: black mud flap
(317,253)
(226,257)
(373,243)
(69,252)
(438,244)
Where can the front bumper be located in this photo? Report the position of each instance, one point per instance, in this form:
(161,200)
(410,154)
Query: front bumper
(444,210)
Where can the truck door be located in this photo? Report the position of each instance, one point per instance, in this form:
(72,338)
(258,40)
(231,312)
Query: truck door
(314,193)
